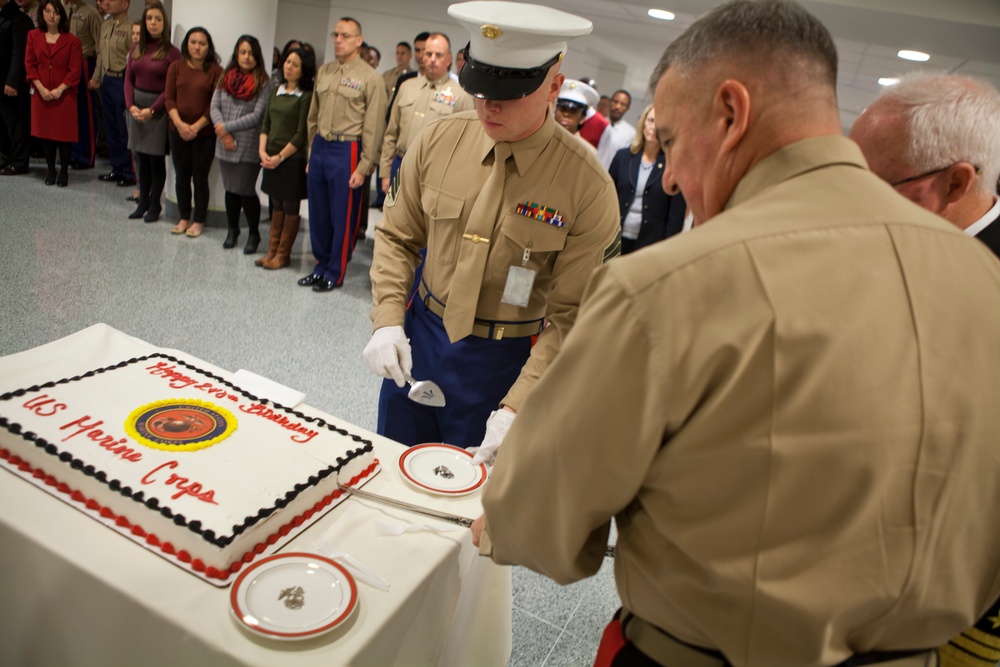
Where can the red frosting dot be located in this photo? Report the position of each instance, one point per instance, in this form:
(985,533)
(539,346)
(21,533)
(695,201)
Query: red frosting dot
(51,481)
(39,473)
(92,504)
(298,521)
(183,556)
(62,487)
(247,557)
(77,496)
(284,530)
(198,565)
(106,513)
(308,513)
(24,466)
(271,539)
(152,540)
(258,549)
(212,572)
(138,530)
(14,460)
(122,521)
(168,548)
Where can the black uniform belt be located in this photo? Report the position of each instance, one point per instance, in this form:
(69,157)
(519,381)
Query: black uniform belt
(342,137)
(663,648)
(116,75)
(490,330)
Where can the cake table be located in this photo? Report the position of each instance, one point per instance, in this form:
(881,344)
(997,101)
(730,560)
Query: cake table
(77,593)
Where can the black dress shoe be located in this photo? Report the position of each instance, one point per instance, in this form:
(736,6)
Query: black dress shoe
(126,182)
(310,280)
(11,170)
(63,179)
(108,177)
(50,178)
(152,215)
(231,237)
(252,242)
(324,285)
(138,212)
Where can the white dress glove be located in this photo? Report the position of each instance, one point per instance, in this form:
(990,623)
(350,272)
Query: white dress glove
(496,429)
(388,354)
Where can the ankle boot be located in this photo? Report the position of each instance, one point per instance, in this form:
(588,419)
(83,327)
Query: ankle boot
(253,240)
(277,223)
(140,209)
(288,234)
(63,179)
(50,177)
(231,236)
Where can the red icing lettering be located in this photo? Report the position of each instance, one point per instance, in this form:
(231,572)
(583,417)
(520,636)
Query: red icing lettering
(303,433)
(185,487)
(39,403)
(117,446)
(176,380)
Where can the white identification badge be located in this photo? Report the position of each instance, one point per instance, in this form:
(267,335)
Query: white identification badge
(517,291)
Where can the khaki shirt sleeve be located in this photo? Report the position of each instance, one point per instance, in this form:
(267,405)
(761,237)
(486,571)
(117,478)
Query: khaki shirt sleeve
(594,238)
(561,528)
(99,69)
(374,123)
(399,236)
(389,141)
(312,119)
(93,26)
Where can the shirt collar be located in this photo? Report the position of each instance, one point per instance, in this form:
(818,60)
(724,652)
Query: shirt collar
(992,215)
(440,82)
(527,150)
(794,160)
(284,91)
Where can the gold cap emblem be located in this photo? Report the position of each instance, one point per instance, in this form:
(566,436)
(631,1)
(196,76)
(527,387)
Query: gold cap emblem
(491,31)
(572,85)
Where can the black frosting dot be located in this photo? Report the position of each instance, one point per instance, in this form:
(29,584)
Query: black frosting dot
(165,511)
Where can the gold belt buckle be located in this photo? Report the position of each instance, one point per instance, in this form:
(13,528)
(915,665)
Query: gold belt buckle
(497,333)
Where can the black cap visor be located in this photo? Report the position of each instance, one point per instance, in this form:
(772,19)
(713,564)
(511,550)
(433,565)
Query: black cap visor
(489,82)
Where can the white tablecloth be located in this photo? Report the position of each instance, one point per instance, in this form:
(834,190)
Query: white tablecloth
(76,593)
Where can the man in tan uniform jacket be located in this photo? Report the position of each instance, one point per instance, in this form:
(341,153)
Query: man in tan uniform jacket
(420,102)
(403,55)
(514,214)
(785,409)
(345,126)
(85,23)
(109,78)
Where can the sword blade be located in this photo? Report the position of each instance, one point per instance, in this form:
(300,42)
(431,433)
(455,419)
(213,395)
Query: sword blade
(444,516)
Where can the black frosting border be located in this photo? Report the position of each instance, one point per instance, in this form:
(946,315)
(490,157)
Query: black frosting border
(153,503)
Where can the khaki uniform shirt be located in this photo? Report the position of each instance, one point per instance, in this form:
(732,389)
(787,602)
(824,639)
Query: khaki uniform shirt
(349,99)
(419,103)
(439,180)
(390,79)
(113,47)
(85,22)
(791,413)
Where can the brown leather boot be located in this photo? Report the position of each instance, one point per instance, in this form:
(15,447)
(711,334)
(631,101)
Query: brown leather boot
(277,224)
(288,235)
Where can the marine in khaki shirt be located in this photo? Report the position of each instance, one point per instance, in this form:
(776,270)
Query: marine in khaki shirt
(421,101)
(546,217)
(114,44)
(769,406)
(349,100)
(85,23)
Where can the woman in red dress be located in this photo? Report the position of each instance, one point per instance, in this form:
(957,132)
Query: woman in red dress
(54,61)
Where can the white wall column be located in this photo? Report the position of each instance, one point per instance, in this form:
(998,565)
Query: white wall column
(226,21)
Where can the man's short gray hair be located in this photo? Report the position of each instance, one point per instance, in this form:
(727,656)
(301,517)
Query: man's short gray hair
(950,119)
(781,31)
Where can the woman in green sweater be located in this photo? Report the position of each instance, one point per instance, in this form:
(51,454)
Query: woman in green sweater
(282,140)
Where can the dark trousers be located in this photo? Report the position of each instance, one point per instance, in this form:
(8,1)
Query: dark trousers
(152,178)
(474,374)
(85,149)
(192,162)
(15,129)
(115,130)
(334,208)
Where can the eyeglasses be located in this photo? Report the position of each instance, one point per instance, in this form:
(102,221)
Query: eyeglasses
(569,107)
(918,177)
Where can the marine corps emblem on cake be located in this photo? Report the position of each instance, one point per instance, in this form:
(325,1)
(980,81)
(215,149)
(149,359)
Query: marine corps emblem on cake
(180,424)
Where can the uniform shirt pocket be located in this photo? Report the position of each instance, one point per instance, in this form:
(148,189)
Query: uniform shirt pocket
(518,233)
(444,224)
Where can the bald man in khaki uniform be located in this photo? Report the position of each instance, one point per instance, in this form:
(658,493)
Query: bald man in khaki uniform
(112,57)
(421,101)
(514,214)
(345,126)
(785,409)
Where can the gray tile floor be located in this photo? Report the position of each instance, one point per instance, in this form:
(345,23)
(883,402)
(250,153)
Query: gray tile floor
(70,258)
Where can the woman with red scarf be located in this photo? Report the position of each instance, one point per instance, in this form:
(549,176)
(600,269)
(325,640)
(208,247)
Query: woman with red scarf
(237,112)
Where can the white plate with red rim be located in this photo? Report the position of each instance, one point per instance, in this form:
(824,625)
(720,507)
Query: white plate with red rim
(293,596)
(441,469)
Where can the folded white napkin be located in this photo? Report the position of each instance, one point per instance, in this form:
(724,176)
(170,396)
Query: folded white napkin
(269,389)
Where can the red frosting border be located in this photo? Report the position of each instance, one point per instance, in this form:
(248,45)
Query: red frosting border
(167,548)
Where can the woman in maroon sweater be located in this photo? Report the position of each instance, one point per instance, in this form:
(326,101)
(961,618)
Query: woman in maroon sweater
(191,82)
(145,83)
